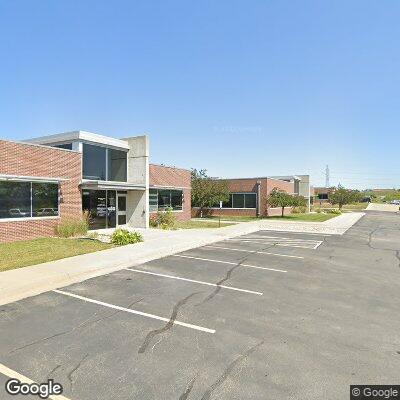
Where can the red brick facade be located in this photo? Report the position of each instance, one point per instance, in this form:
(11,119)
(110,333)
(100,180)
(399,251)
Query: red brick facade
(20,159)
(169,178)
(251,185)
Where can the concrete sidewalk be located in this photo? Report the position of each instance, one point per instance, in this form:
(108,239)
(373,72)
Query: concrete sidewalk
(383,207)
(29,281)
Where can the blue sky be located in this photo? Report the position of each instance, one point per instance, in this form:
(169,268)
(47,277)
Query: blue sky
(241,88)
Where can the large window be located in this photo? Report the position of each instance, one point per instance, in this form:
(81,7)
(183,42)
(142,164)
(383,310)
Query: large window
(117,164)
(101,163)
(28,199)
(240,200)
(162,199)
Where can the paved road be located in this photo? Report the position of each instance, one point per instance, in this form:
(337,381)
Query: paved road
(293,316)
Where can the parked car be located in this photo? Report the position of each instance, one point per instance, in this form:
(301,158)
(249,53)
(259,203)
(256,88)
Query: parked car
(17,213)
(396,202)
(47,212)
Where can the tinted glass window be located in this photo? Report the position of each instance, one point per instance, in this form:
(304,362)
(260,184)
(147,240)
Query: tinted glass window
(250,200)
(176,199)
(227,204)
(44,199)
(67,146)
(117,164)
(238,201)
(153,200)
(94,162)
(15,199)
(164,199)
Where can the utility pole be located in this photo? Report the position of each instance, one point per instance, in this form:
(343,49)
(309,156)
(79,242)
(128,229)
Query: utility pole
(327,185)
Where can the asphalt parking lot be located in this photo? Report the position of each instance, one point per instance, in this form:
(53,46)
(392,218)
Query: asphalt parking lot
(269,315)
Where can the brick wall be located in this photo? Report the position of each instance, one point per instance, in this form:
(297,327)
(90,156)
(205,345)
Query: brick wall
(250,185)
(40,161)
(169,178)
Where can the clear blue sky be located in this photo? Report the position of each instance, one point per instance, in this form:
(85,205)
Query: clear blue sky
(241,88)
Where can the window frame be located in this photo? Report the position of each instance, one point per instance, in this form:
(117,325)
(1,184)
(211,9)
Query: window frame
(231,194)
(32,217)
(156,195)
(106,156)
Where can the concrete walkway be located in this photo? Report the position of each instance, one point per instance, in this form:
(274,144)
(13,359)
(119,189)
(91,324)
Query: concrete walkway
(383,207)
(29,281)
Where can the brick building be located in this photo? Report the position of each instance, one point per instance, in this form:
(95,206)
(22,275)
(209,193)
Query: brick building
(170,187)
(51,178)
(37,189)
(248,196)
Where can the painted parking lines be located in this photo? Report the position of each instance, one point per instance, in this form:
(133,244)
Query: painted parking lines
(254,252)
(229,262)
(195,281)
(15,375)
(136,312)
(285,242)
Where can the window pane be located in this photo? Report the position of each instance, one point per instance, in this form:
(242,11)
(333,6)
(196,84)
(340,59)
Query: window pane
(153,200)
(94,162)
(164,199)
(15,199)
(94,201)
(176,199)
(44,199)
(238,200)
(250,200)
(117,164)
(67,146)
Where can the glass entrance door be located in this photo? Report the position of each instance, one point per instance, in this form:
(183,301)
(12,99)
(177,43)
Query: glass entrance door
(101,206)
(121,210)
(111,209)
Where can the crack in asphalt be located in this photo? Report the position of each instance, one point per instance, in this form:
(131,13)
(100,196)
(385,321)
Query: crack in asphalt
(369,244)
(188,389)
(49,375)
(167,326)
(229,274)
(82,324)
(208,393)
(73,370)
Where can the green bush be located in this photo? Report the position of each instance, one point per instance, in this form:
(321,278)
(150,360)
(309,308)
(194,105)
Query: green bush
(73,227)
(164,219)
(295,210)
(122,237)
(318,210)
(299,210)
(334,211)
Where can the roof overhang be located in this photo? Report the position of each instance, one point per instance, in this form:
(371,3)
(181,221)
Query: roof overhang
(104,185)
(23,178)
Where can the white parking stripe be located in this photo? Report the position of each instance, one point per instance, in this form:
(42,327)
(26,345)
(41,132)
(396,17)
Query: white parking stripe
(278,237)
(230,263)
(129,310)
(285,243)
(194,281)
(255,252)
(15,375)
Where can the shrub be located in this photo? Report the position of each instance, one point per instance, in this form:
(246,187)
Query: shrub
(122,237)
(295,210)
(318,210)
(164,219)
(73,227)
(334,211)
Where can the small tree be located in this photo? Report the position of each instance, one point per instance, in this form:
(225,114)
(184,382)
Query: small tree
(342,196)
(280,198)
(207,192)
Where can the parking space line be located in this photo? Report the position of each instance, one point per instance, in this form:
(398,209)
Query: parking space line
(15,375)
(131,311)
(194,281)
(302,245)
(255,252)
(279,237)
(229,262)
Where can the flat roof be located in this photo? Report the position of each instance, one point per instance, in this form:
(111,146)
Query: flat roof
(80,135)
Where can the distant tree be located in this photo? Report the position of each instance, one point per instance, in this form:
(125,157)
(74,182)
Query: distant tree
(280,198)
(342,196)
(207,192)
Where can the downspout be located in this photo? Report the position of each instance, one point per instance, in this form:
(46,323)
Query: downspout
(258,209)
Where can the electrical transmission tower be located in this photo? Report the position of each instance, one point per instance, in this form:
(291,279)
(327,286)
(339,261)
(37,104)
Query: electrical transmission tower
(327,177)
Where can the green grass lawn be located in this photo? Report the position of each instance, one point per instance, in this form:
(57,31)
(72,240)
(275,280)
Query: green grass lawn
(306,217)
(200,224)
(30,252)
